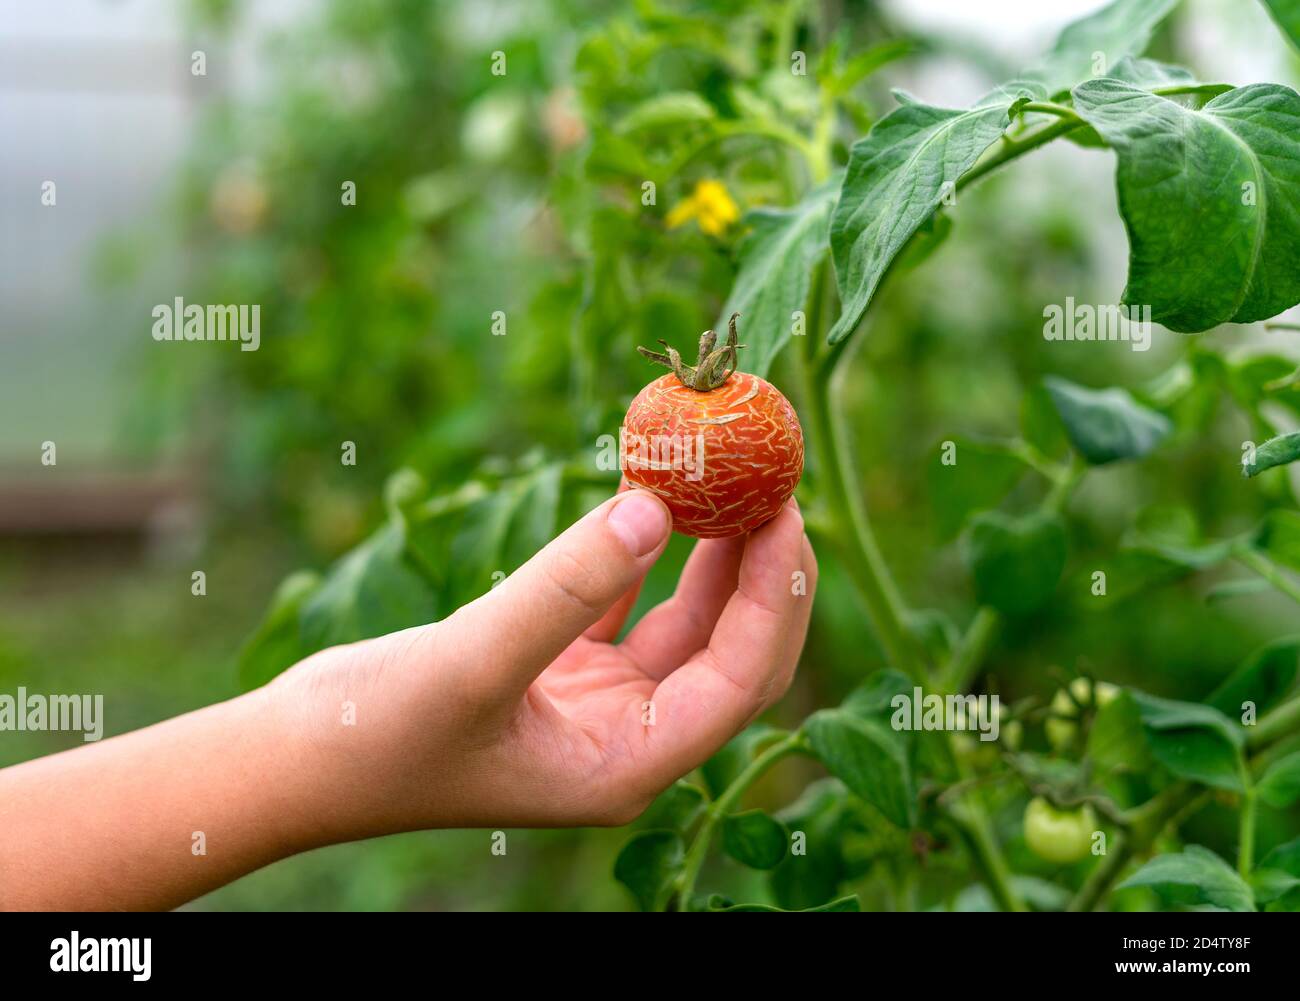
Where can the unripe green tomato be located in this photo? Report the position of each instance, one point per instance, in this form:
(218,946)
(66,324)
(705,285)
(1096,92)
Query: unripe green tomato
(1011,732)
(1061,732)
(1060,836)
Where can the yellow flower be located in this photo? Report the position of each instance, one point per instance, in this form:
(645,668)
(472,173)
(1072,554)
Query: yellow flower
(710,204)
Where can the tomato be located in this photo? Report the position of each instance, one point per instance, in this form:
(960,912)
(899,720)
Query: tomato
(1061,836)
(722,448)
(1061,732)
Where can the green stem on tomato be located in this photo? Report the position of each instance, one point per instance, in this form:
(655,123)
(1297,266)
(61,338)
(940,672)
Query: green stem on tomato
(1179,800)
(1011,149)
(1049,108)
(844,526)
(1146,824)
(971,821)
(717,811)
(970,651)
(1246,828)
(1276,723)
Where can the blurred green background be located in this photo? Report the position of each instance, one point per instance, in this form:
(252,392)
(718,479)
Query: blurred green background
(519,193)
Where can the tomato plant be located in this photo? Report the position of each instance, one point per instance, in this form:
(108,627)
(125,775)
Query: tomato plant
(845,208)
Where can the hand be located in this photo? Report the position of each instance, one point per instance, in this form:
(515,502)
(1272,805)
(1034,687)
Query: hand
(517,710)
(521,710)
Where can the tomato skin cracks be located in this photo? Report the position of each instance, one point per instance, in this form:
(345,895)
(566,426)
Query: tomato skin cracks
(724,460)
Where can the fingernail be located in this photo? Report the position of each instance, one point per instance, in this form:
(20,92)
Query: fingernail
(640,521)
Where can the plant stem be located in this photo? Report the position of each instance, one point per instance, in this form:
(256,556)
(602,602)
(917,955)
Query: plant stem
(1148,821)
(720,807)
(1265,567)
(968,656)
(971,820)
(1246,840)
(1048,108)
(1013,148)
(1276,723)
(846,528)
(1177,802)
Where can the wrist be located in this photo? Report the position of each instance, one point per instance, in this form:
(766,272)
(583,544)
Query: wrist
(297,796)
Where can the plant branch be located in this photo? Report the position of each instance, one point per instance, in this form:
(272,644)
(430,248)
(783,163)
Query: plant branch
(720,807)
(846,528)
(1246,838)
(1146,824)
(1049,108)
(972,822)
(974,644)
(1014,148)
(1276,723)
(1266,568)
(1177,802)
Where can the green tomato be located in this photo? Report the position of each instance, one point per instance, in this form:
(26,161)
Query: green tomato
(1060,836)
(1061,732)
(1011,732)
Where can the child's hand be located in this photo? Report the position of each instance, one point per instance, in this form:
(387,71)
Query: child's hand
(518,710)
(521,710)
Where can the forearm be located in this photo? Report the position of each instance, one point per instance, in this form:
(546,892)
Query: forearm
(154,818)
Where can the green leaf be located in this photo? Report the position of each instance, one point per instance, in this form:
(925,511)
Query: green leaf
(755,839)
(647,866)
(928,238)
(1117,740)
(1245,587)
(866,756)
(1279,451)
(1170,532)
(981,474)
(465,547)
(667,111)
(1207,197)
(1279,786)
(873,698)
(1195,876)
(1193,741)
(1287,15)
(1285,857)
(1120,29)
(842,905)
(674,809)
(373,590)
(1263,678)
(535,515)
(812,878)
(867,62)
(897,176)
(1270,884)
(1016,562)
(1106,425)
(277,643)
(1040,424)
(776,260)
(1279,537)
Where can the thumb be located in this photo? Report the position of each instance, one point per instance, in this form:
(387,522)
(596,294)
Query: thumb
(515,630)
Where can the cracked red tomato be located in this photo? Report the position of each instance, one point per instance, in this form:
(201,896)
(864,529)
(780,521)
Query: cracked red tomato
(722,448)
